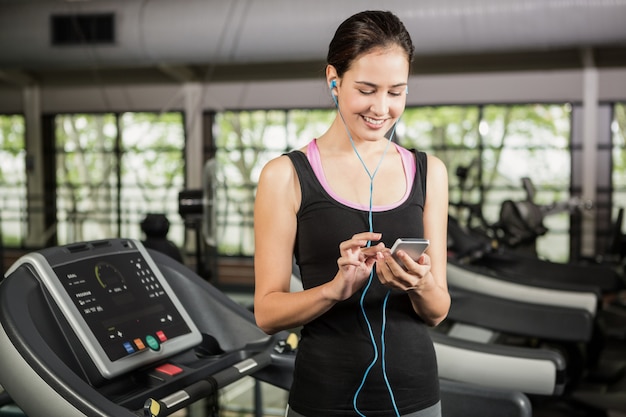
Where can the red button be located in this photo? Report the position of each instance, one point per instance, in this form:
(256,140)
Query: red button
(161,336)
(169,369)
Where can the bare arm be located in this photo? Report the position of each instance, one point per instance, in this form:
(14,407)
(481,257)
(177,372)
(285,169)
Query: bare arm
(276,205)
(425,281)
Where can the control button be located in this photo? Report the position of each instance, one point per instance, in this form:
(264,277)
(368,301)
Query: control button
(161,336)
(129,348)
(139,344)
(152,342)
(169,369)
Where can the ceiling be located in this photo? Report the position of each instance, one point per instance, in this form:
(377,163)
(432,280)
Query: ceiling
(173,41)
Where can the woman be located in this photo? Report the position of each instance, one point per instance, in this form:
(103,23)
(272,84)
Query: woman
(338,204)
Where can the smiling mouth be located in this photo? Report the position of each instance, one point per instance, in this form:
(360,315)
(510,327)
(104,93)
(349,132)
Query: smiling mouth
(377,122)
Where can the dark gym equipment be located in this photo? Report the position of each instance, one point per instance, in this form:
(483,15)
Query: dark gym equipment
(52,365)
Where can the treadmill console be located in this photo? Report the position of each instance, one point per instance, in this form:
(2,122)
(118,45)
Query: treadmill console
(116,301)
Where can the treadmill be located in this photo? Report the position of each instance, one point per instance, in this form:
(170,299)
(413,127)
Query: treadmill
(110,328)
(100,329)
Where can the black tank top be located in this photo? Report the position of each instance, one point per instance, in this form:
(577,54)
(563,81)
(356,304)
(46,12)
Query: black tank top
(336,348)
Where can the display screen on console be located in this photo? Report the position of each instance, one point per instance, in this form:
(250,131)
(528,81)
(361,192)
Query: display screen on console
(123,303)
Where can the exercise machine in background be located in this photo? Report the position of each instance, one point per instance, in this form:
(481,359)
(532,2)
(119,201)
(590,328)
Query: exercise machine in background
(198,211)
(155,227)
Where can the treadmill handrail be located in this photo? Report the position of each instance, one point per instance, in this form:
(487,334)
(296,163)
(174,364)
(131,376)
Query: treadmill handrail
(529,370)
(521,318)
(462,399)
(481,283)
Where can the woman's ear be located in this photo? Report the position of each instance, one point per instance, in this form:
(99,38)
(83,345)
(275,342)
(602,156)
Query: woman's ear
(331,74)
(331,79)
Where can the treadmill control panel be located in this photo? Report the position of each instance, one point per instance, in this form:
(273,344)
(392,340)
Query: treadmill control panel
(118,303)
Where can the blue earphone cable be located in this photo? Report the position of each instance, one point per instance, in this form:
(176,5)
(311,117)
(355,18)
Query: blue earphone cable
(371,277)
(383,363)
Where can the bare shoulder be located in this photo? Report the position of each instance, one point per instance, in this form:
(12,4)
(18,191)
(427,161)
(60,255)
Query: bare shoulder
(278,169)
(278,182)
(437,177)
(436,166)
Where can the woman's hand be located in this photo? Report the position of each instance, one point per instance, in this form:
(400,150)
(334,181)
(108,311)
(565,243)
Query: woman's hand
(355,264)
(416,276)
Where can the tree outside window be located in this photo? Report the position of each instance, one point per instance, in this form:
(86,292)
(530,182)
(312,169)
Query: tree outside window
(12,181)
(113,169)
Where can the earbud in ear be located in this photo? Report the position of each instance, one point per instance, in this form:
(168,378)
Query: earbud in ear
(406,90)
(333,84)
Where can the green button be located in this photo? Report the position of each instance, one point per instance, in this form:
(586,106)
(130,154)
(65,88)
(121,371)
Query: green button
(152,342)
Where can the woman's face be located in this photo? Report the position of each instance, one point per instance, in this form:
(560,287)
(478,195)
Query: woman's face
(372,93)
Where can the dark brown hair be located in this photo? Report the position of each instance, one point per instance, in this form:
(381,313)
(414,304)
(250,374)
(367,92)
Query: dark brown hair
(363,32)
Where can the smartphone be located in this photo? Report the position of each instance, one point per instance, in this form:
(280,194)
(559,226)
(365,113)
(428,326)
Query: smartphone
(414,247)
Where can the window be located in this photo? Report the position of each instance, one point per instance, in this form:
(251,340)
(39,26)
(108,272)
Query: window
(618,133)
(12,181)
(86,177)
(113,169)
(529,141)
(152,170)
(489,149)
(451,133)
(245,142)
